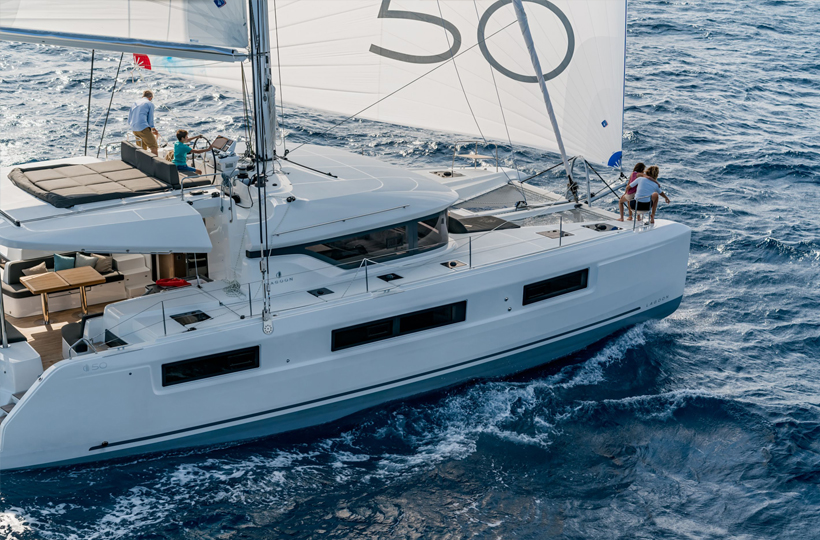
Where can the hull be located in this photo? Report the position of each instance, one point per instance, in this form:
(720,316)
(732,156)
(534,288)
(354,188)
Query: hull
(80,411)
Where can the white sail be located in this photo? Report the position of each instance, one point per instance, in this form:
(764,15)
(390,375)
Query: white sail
(201,29)
(457,66)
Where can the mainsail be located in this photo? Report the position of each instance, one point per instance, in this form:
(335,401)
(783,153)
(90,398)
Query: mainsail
(457,66)
(197,29)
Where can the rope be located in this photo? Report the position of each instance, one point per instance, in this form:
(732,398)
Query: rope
(394,92)
(88,114)
(458,76)
(536,175)
(604,181)
(110,102)
(246,112)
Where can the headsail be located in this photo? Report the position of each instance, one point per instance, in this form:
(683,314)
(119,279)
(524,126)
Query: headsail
(201,29)
(458,66)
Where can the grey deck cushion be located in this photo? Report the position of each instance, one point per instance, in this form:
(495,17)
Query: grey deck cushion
(108,166)
(145,162)
(64,186)
(167,172)
(129,153)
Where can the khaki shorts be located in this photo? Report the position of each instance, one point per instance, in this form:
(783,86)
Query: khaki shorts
(146,139)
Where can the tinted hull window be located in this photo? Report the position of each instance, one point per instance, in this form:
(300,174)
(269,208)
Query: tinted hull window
(550,288)
(212,365)
(399,325)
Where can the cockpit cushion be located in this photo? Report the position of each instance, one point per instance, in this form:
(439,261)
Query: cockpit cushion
(64,186)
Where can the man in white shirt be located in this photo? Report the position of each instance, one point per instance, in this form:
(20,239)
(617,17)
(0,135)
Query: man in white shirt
(646,197)
(141,121)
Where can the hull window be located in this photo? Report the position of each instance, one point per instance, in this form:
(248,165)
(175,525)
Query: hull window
(550,288)
(399,325)
(212,365)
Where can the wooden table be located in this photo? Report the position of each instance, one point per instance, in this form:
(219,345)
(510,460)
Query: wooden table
(73,278)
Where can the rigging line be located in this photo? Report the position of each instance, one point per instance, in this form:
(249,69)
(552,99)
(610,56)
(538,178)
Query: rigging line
(309,168)
(394,92)
(279,68)
(110,102)
(247,118)
(536,175)
(602,179)
(504,119)
(458,75)
(88,114)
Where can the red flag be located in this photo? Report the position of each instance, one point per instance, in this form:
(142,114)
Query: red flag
(143,61)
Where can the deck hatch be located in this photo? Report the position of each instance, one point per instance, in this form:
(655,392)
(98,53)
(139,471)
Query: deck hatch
(550,288)
(400,325)
(190,317)
(212,365)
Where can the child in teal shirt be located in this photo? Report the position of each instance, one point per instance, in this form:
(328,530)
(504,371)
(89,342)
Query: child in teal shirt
(181,150)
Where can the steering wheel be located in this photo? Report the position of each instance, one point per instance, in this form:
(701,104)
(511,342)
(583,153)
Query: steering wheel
(204,165)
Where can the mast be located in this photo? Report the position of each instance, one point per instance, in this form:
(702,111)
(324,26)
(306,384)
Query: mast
(521,15)
(264,134)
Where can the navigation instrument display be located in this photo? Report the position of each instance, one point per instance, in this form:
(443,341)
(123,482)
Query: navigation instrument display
(222,143)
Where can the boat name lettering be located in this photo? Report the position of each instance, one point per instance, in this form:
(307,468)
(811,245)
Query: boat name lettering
(283,280)
(657,301)
(95,367)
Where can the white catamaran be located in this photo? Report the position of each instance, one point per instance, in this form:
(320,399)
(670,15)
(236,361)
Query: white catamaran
(321,282)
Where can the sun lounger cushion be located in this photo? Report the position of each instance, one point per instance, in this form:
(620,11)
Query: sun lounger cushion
(64,186)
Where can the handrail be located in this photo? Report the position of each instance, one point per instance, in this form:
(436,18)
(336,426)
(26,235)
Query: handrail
(10,219)
(81,340)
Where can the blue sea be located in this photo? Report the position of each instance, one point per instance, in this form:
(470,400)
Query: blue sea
(703,425)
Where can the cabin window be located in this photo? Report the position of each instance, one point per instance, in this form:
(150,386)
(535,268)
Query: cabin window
(212,365)
(430,232)
(399,325)
(371,245)
(550,288)
(379,245)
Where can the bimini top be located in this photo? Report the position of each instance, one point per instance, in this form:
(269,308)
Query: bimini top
(363,193)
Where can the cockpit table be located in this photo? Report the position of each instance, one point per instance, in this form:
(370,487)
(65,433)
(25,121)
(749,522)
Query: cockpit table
(73,278)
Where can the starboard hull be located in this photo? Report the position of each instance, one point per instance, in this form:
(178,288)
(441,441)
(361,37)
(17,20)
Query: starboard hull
(74,415)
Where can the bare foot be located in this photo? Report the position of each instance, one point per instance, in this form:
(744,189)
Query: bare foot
(620,219)
(629,218)
(651,220)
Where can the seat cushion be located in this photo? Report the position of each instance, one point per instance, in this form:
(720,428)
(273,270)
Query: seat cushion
(13,335)
(88,179)
(75,170)
(145,162)
(85,260)
(34,270)
(44,174)
(108,166)
(128,174)
(61,262)
(167,172)
(129,153)
(143,184)
(16,291)
(104,263)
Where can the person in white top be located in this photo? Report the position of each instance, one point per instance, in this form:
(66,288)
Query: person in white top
(648,193)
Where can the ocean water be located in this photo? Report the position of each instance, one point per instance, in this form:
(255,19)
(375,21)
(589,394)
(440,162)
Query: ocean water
(704,425)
